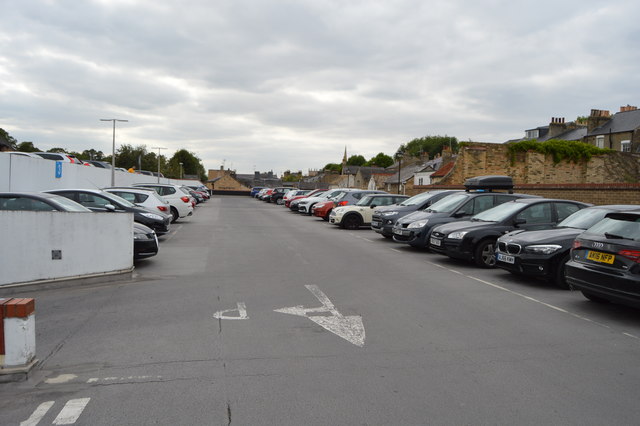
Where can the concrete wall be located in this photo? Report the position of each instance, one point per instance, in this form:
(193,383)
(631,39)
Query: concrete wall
(90,243)
(20,173)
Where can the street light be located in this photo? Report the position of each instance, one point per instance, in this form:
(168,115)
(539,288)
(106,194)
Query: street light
(158,148)
(113,149)
(180,170)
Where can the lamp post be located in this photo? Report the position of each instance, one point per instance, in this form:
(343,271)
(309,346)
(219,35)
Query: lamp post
(113,149)
(158,148)
(399,154)
(181,170)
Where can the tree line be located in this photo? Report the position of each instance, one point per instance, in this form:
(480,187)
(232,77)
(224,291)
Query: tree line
(128,156)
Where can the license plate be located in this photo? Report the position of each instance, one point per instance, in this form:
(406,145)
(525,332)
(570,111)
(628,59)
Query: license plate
(435,242)
(375,223)
(506,259)
(596,256)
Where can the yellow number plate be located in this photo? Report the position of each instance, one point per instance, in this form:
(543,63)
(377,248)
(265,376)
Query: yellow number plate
(596,256)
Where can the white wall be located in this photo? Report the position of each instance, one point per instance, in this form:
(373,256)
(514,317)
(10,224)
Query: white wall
(91,243)
(21,173)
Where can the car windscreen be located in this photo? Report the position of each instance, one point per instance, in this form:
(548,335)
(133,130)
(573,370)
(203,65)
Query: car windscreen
(498,213)
(618,226)
(583,219)
(120,200)
(448,203)
(68,205)
(417,199)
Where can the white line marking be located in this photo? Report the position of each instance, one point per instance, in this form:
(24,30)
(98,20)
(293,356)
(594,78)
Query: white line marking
(241,310)
(38,414)
(396,250)
(71,411)
(631,335)
(350,328)
(63,378)
(112,379)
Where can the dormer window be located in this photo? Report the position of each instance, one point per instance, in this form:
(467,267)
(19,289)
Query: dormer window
(532,134)
(600,141)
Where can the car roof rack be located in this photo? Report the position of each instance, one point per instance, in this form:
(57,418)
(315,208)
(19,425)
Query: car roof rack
(489,183)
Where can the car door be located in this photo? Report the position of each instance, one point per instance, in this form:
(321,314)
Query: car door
(536,216)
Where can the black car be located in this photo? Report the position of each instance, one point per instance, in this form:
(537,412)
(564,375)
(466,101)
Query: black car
(278,194)
(544,253)
(475,239)
(605,260)
(102,201)
(145,241)
(384,217)
(37,201)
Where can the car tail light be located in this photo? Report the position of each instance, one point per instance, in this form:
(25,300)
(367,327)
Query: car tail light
(185,199)
(576,244)
(631,254)
(343,203)
(162,208)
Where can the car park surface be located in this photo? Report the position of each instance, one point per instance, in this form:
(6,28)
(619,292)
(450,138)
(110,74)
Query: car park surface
(475,239)
(446,343)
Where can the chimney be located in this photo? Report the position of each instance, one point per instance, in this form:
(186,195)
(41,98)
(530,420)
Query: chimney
(597,118)
(556,127)
(628,108)
(446,154)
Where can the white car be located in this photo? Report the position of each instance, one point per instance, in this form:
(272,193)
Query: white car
(145,197)
(180,202)
(356,215)
(306,204)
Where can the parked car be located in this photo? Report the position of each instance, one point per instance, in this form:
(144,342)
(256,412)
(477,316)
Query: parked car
(102,201)
(475,239)
(306,204)
(385,217)
(180,202)
(20,153)
(278,194)
(143,197)
(544,253)
(264,196)
(255,190)
(293,193)
(37,201)
(324,208)
(145,241)
(99,164)
(293,202)
(415,228)
(360,214)
(605,260)
(58,156)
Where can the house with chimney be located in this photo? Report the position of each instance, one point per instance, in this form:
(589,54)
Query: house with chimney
(620,131)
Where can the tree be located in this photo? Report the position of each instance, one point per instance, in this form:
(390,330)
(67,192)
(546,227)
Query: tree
(431,145)
(91,154)
(191,165)
(380,160)
(356,160)
(27,147)
(10,139)
(333,167)
(137,157)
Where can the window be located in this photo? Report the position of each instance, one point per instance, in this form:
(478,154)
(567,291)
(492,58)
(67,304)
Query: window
(625,146)
(131,197)
(91,200)
(564,210)
(532,134)
(600,141)
(538,213)
(420,181)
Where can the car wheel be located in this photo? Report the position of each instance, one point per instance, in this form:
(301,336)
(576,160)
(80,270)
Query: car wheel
(279,201)
(351,222)
(174,214)
(484,255)
(592,297)
(558,277)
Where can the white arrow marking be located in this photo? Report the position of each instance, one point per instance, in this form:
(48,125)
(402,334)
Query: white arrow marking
(241,310)
(350,328)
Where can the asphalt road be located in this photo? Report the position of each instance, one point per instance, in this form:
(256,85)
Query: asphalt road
(253,315)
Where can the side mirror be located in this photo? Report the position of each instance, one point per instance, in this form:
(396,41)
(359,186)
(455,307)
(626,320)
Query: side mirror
(373,206)
(519,221)
(459,214)
(110,207)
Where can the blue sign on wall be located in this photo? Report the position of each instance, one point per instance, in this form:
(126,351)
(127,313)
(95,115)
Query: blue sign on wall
(58,169)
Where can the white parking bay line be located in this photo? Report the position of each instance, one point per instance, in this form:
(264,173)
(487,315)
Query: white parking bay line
(38,414)
(71,411)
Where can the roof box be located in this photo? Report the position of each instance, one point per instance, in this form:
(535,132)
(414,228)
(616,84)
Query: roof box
(489,183)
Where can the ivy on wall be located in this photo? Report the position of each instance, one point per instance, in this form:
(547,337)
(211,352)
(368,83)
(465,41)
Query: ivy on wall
(560,150)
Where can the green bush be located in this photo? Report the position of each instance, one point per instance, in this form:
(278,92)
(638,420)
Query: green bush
(560,150)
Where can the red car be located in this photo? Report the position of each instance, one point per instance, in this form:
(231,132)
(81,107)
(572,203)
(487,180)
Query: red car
(323,209)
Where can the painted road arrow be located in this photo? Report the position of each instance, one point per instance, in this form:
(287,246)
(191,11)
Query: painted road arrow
(348,327)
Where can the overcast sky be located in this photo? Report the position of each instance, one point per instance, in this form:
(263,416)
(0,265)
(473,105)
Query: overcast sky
(275,85)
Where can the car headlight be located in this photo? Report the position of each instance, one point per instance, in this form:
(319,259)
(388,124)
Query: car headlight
(543,248)
(457,235)
(418,224)
(152,216)
(391,213)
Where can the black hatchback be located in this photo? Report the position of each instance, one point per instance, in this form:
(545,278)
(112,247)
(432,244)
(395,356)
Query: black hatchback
(102,201)
(605,260)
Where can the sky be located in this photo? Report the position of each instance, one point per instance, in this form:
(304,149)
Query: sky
(287,85)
